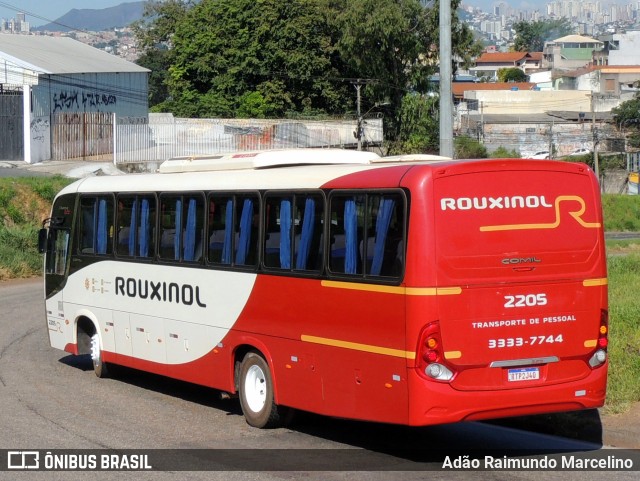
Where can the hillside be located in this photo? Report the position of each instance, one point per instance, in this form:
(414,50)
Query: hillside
(96,19)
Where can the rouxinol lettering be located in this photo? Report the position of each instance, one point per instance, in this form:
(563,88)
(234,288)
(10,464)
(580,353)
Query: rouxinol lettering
(482,203)
(159,291)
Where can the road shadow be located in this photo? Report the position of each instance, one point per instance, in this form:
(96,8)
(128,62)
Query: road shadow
(514,437)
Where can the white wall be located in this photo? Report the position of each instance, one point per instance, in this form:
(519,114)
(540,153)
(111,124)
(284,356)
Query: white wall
(530,101)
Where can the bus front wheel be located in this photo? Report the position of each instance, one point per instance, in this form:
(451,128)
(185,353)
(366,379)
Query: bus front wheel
(256,392)
(99,366)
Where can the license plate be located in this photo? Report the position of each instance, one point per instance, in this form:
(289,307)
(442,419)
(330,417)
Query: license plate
(524,374)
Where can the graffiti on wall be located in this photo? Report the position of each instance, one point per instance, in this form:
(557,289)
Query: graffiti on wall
(40,128)
(77,100)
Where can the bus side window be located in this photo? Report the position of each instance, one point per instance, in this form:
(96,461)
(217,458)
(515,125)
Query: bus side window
(181,229)
(171,222)
(233,229)
(247,229)
(308,232)
(135,221)
(347,226)
(278,229)
(220,229)
(367,234)
(384,240)
(96,225)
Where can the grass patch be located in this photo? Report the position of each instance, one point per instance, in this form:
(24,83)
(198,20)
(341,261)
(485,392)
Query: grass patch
(19,255)
(621,213)
(24,203)
(624,334)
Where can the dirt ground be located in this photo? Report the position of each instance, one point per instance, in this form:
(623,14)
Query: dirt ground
(622,430)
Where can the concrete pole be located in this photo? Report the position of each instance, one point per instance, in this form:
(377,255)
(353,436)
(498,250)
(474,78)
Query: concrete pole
(446,101)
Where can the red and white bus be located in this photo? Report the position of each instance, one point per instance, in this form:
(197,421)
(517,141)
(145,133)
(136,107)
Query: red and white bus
(410,290)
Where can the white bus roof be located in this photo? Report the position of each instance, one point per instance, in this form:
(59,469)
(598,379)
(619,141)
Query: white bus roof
(281,158)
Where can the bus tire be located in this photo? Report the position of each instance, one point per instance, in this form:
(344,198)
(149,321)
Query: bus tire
(256,392)
(99,366)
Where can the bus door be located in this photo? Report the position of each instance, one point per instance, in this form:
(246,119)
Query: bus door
(56,245)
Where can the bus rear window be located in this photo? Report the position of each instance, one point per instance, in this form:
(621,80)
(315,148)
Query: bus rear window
(490,223)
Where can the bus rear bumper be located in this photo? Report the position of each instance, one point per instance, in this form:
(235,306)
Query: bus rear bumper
(438,403)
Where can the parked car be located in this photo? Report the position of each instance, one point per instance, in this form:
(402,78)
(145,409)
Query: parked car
(579,152)
(541,154)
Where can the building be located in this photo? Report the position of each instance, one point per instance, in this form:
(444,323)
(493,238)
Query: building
(609,85)
(619,49)
(489,63)
(570,52)
(54,90)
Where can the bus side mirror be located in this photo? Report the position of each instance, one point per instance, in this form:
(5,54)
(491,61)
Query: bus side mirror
(42,241)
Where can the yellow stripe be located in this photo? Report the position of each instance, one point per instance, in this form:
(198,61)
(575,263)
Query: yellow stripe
(453,355)
(386,351)
(408,291)
(577,215)
(591,343)
(595,282)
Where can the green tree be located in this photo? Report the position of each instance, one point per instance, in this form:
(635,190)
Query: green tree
(419,129)
(282,50)
(158,62)
(153,34)
(627,119)
(504,153)
(511,75)
(394,44)
(531,36)
(159,21)
(468,148)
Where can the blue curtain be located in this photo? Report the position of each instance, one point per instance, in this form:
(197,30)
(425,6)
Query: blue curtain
(245,232)
(351,237)
(307,233)
(190,232)
(132,228)
(102,227)
(228,233)
(177,242)
(385,211)
(285,234)
(144,228)
(94,228)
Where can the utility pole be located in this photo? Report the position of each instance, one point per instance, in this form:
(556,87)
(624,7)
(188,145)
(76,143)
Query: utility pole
(358,83)
(446,102)
(594,131)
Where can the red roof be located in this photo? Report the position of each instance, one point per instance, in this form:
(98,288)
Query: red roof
(507,57)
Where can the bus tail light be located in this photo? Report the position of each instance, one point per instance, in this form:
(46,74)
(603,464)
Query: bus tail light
(600,356)
(430,360)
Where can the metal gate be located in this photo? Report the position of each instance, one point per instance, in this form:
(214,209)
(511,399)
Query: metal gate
(11,126)
(82,135)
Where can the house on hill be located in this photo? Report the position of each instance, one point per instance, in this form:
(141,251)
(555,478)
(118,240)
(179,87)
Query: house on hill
(570,52)
(53,90)
(488,64)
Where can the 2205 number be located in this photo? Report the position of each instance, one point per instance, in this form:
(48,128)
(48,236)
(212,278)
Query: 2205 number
(525,300)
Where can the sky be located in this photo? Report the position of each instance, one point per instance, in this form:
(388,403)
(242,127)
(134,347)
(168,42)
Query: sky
(49,9)
(54,9)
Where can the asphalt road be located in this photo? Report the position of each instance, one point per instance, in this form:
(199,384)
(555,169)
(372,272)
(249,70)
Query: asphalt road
(51,400)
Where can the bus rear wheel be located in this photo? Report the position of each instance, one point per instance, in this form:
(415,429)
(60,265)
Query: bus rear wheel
(256,392)
(99,366)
